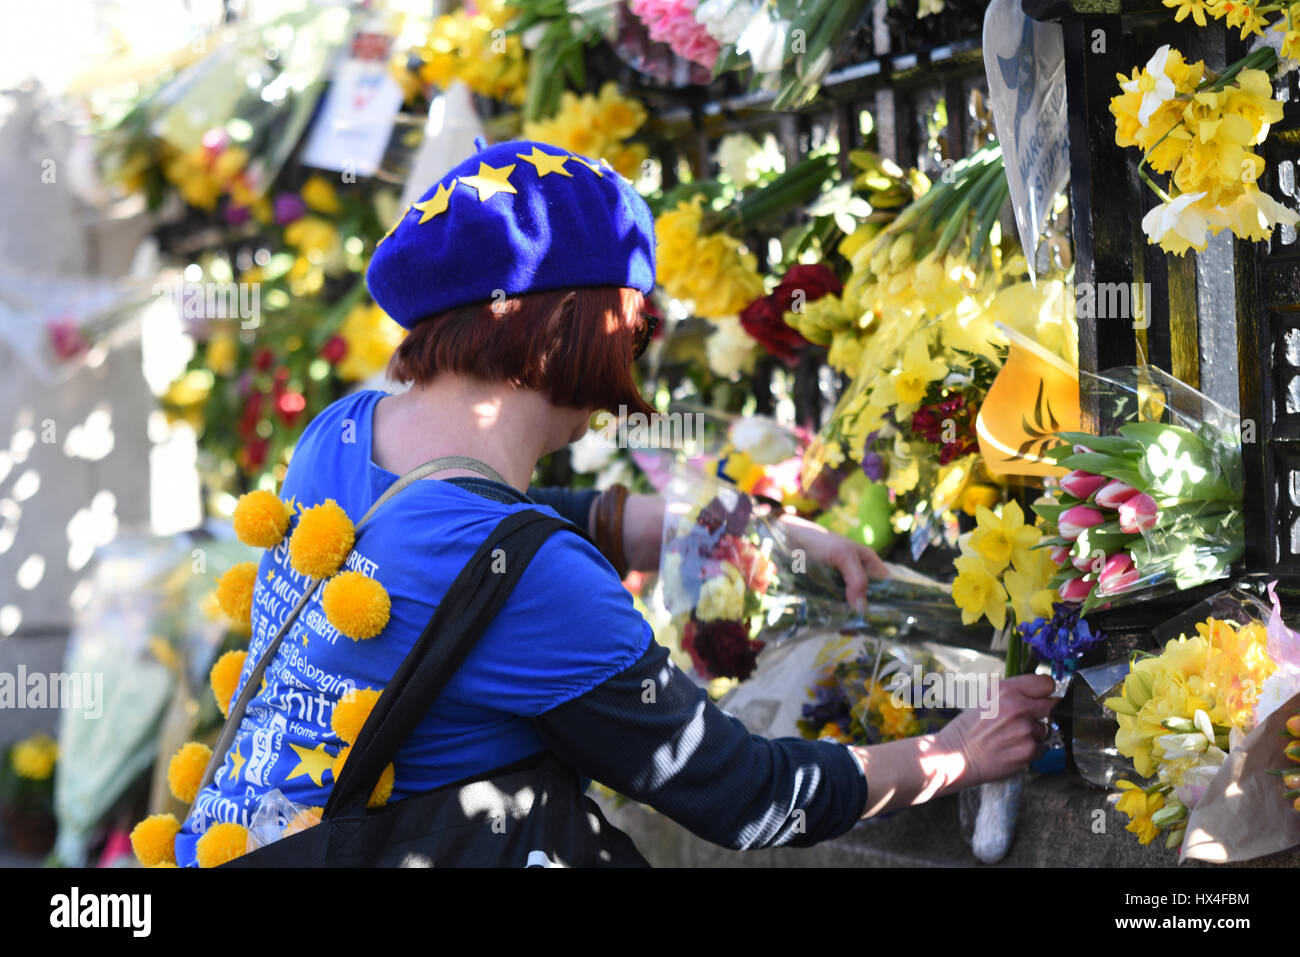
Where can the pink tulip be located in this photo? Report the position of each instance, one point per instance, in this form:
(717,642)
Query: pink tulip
(1085,561)
(1138,514)
(1060,554)
(1118,574)
(1075,520)
(1114,494)
(1082,484)
(1077,589)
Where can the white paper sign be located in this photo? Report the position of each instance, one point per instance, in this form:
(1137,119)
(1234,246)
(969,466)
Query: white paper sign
(356,121)
(1025,63)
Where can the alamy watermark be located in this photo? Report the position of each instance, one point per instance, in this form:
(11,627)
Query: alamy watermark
(215,300)
(80,691)
(671,430)
(944,689)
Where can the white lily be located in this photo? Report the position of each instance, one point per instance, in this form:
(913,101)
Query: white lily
(1180,217)
(1159,93)
(764,41)
(725,20)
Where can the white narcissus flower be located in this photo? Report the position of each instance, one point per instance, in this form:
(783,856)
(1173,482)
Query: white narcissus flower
(1159,93)
(730,348)
(1178,224)
(726,19)
(737,155)
(765,42)
(763,440)
(591,453)
(1278,688)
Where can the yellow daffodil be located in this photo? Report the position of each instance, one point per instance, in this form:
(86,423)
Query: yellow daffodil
(977,593)
(318,193)
(372,336)
(1000,537)
(34,758)
(312,236)
(916,372)
(1139,806)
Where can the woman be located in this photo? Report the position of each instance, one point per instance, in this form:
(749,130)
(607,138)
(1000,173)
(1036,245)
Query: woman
(522,276)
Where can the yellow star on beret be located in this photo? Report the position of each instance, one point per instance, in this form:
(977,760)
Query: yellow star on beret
(435,204)
(594,167)
(546,162)
(391,230)
(491,180)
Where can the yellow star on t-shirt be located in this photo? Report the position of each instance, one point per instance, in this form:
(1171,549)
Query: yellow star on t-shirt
(546,162)
(237,760)
(435,204)
(313,763)
(490,180)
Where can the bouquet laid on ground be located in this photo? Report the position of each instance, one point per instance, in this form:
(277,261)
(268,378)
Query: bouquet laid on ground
(1199,718)
(877,696)
(1154,500)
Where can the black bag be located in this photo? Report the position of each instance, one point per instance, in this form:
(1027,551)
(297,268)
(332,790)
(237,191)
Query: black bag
(529,814)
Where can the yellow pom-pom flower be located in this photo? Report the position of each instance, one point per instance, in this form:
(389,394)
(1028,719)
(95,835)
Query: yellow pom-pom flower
(221,843)
(351,712)
(154,840)
(186,770)
(224,678)
(235,591)
(261,519)
(356,605)
(383,790)
(321,541)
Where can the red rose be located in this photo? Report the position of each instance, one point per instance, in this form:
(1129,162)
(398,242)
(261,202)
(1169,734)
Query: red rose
(289,406)
(764,318)
(334,350)
(813,281)
(721,649)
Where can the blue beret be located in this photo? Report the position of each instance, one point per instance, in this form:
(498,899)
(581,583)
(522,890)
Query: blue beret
(514,218)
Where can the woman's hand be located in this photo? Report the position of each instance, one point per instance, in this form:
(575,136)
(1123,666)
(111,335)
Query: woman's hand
(997,743)
(975,747)
(855,562)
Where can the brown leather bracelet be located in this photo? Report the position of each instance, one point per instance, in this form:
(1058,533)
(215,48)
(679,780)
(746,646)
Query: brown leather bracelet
(609,526)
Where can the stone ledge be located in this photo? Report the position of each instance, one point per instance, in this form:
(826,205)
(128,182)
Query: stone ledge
(1055,830)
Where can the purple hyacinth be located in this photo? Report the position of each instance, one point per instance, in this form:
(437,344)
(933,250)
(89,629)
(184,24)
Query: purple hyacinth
(1061,639)
(289,207)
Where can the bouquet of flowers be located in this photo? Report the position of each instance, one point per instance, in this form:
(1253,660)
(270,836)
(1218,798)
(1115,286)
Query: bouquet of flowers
(1187,714)
(1155,499)
(716,568)
(789,45)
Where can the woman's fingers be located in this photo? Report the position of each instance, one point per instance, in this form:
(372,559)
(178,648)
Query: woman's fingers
(855,577)
(871,562)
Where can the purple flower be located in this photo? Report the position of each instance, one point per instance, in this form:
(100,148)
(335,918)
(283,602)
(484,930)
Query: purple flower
(1061,639)
(872,464)
(237,215)
(288,207)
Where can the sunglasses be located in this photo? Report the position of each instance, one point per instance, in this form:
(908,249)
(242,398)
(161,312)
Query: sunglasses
(650,322)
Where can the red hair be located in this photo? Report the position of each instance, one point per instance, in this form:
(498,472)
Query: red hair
(575,346)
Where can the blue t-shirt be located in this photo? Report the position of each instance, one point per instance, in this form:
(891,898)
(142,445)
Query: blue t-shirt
(568,626)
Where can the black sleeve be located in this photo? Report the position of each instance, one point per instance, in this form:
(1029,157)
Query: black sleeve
(652,734)
(572,504)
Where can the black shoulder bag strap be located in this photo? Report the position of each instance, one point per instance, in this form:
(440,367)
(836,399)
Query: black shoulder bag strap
(465,611)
